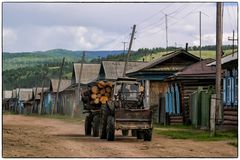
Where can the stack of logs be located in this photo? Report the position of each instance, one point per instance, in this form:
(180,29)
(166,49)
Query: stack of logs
(230,117)
(101,92)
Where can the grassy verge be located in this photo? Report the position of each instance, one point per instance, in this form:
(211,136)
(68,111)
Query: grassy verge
(65,118)
(187,132)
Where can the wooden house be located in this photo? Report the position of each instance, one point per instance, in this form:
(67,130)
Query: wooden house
(50,95)
(111,70)
(23,96)
(37,98)
(7,96)
(181,86)
(230,90)
(154,73)
(69,100)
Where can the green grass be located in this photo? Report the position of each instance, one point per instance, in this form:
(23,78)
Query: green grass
(205,54)
(187,132)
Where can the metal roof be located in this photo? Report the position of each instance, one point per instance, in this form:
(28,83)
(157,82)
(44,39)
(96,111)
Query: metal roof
(7,94)
(54,84)
(198,68)
(226,59)
(38,92)
(90,73)
(114,69)
(161,60)
(25,94)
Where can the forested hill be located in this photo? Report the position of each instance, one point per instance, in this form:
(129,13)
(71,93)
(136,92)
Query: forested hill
(27,59)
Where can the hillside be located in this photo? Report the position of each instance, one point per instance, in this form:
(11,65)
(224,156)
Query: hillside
(27,59)
(205,54)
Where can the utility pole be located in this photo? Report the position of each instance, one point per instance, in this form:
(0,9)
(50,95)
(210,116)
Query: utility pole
(200,38)
(124,43)
(79,81)
(41,98)
(59,83)
(166,32)
(232,39)
(129,50)
(218,63)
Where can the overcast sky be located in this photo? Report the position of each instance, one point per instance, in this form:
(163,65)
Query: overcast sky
(104,26)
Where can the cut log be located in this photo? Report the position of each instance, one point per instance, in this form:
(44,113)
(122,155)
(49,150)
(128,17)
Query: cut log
(176,117)
(101,84)
(108,89)
(96,101)
(230,123)
(94,89)
(230,118)
(176,121)
(93,96)
(102,91)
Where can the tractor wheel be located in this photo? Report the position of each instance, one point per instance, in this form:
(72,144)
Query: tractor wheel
(103,126)
(125,132)
(110,128)
(95,125)
(134,132)
(88,125)
(148,135)
(139,134)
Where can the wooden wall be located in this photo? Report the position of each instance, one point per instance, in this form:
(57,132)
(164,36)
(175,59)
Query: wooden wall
(156,88)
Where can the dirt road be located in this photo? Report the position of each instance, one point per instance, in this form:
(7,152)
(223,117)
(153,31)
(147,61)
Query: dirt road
(25,136)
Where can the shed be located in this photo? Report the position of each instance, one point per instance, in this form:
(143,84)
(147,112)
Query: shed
(154,73)
(186,82)
(37,98)
(7,95)
(230,89)
(50,95)
(23,95)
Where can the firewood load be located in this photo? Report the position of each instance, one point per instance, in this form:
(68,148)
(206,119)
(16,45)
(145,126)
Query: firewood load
(100,92)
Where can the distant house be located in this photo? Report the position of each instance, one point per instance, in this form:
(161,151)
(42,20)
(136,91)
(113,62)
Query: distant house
(23,96)
(154,73)
(230,89)
(111,70)
(69,95)
(180,87)
(37,98)
(50,95)
(7,96)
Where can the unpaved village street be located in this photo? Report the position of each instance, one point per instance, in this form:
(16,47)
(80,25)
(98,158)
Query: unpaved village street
(25,136)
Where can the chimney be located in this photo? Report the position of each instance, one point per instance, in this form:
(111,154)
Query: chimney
(186,47)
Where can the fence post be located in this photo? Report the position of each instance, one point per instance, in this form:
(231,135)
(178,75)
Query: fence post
(212,114)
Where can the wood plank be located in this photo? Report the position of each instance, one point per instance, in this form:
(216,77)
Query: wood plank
(230,122)
(230,118)
(176,121)
(232,113)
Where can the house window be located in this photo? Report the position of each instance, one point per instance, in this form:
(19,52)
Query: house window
(224,90)
(228,90)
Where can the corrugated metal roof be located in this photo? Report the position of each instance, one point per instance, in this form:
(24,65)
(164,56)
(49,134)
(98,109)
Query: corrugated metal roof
(54,84)
(114,69)
(226,59)
(7,94)
(25,94)
(89,73)
(161,59)
(198,68)
(39,90)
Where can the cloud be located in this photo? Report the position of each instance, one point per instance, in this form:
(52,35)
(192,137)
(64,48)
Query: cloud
(101,26)
(9,37)
(43,38)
